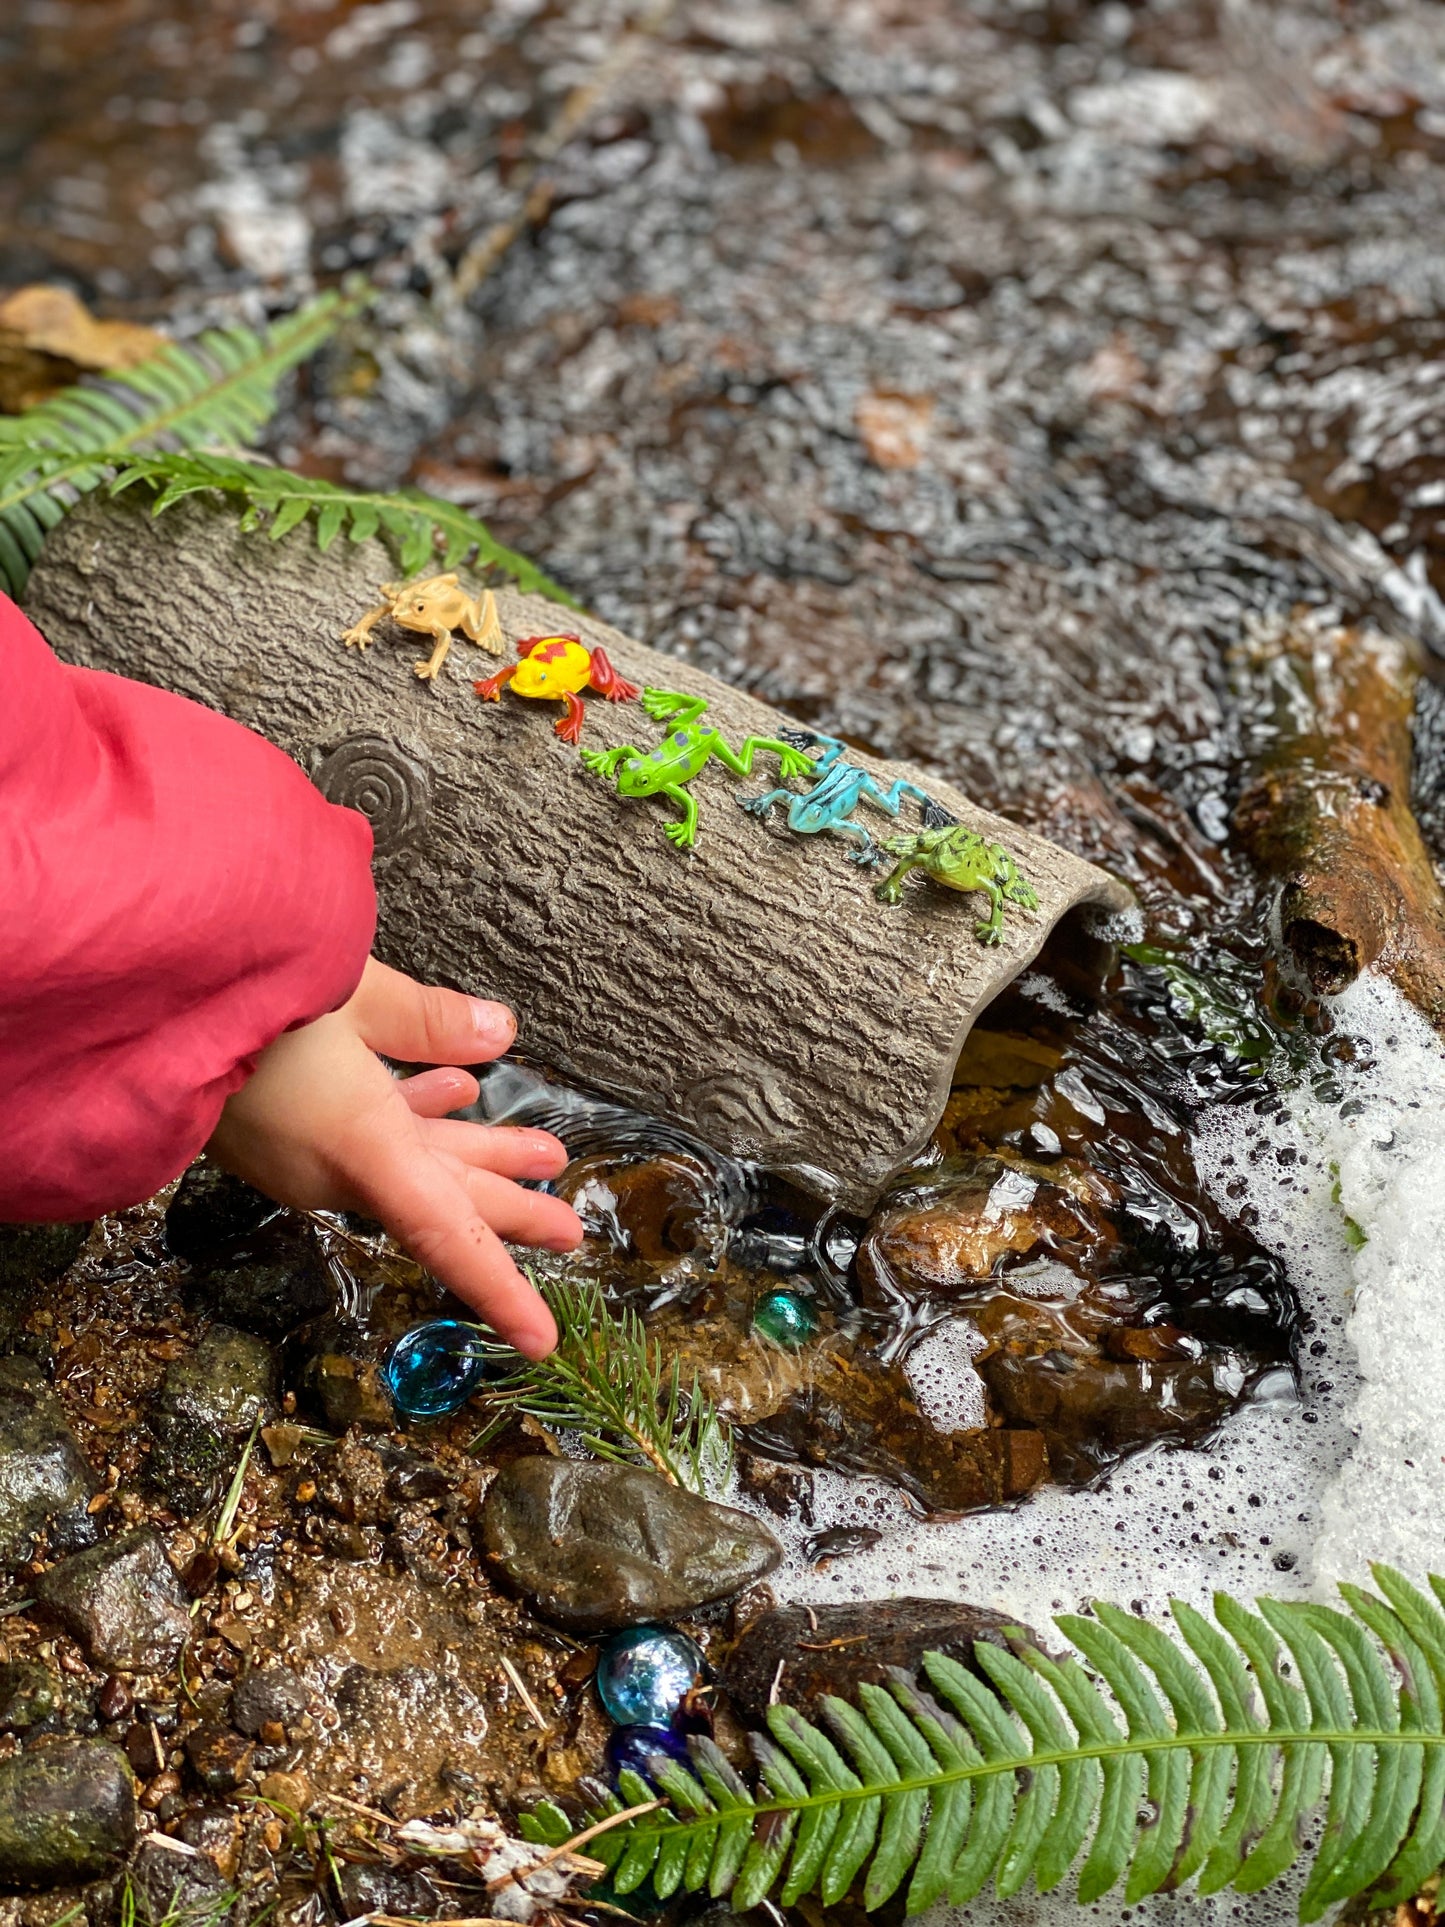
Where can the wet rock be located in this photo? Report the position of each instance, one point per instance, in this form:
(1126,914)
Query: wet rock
(122,1601)
(834,1649)
(660,1209)
(597,1546)
(212,1212)
(388,1890)
(220,1757)
(67,1813)
(204,1411)
(171,1884)
(269,1695)
(335,1366)
(35,1700)
(253,1264)
(950,1239)
(38,1254)
(45,1482)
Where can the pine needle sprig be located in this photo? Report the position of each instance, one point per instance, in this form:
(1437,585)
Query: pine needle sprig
(607,1382)
(1161,1760)
(218,389)
(425,531)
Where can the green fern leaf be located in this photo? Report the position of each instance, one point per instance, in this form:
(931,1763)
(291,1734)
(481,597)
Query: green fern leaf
(424,530)
(219,388)
(1234,1731)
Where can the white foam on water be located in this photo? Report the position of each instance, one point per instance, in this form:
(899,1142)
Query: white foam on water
(1289,1497)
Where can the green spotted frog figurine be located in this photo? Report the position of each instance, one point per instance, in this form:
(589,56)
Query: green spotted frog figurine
(682,754)
(960,859)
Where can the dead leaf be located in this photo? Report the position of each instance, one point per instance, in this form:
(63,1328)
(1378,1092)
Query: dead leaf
(894,428)
(48,337)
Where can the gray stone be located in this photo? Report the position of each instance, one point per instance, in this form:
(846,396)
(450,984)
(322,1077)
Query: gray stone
(171,1886)
(67,1813)
(38,1254)
(798,1653)
(596,1546)
(252,1264)
(35,1700)
(45,1482)
(122,1601)
(204,1411)
(269,1695)
(722,972)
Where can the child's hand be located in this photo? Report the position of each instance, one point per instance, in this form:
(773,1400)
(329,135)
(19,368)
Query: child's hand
(324,1125)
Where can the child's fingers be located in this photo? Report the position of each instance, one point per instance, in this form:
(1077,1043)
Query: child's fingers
(424,1024)
(511,1150)
(430,1212)
(437,1093)
(523,1217)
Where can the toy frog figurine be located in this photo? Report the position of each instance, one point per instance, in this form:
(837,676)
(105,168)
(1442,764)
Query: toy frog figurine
(433,608)
(960,859)
(830,803)
(559,666)
(683,752)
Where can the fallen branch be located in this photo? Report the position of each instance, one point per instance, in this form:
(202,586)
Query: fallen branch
(1327,815)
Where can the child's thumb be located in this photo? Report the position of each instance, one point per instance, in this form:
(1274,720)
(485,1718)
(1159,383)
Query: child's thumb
(424,1024)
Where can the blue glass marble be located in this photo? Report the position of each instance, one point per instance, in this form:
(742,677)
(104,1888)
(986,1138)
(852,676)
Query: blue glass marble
(434,1369)
(785,1318)
(644,1674)
(634,1746)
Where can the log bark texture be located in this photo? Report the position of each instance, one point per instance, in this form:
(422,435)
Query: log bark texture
(753,991)
(1327,815)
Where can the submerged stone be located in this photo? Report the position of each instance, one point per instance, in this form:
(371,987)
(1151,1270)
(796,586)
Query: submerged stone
(67,1813)
(45,1482)
(122,1601)
(35,1700)
(432,1370)
(597,1546)
(798,1653)
(645,1674)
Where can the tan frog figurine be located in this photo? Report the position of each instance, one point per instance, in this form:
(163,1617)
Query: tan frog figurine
(434,608)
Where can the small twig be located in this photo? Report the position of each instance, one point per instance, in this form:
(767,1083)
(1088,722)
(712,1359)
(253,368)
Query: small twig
(353,1806)
(571,1846)
(516,1678)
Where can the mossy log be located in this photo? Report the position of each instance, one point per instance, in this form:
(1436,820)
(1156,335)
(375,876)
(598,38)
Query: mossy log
(752,990)
(1326,816)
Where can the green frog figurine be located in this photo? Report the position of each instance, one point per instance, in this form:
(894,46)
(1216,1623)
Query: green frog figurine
(682,753)
(959,859)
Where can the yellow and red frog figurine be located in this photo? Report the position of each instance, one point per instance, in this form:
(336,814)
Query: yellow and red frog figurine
(559,667)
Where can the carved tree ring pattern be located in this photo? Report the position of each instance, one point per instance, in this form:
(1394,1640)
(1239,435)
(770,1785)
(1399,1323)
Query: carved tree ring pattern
(388,784)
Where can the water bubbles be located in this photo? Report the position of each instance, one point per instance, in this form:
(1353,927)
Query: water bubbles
(785,1318)
(432,1370)
(645,1674)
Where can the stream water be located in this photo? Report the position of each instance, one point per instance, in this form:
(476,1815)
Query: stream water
(967,381)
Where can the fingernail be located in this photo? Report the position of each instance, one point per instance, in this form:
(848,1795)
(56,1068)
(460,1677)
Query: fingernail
(494,1023)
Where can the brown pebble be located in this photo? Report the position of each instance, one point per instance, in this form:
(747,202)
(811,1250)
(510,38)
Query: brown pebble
(219,1757)
(157,1790)
(342,1618)
(116,1699)
(289,1790)
(200,1574)
(305,1491)
(273,1733)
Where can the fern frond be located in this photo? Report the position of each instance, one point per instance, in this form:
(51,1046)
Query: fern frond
(607,1381)
(220,388)
(1169,1759)
(425,531)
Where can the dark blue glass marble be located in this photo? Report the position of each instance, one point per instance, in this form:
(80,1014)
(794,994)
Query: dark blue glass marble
(785,1318)
(434,1369)
(644,1674)
(634,1746)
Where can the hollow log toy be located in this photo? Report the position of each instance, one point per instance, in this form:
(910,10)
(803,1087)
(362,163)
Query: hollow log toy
(755,996)
(434,607)
(559,667)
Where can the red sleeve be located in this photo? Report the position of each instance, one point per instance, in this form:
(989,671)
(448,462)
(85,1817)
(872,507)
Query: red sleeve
(173,895)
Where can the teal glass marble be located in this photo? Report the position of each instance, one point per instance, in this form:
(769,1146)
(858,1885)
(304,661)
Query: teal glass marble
(644,1675)
(432,1370)
(785,1318)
